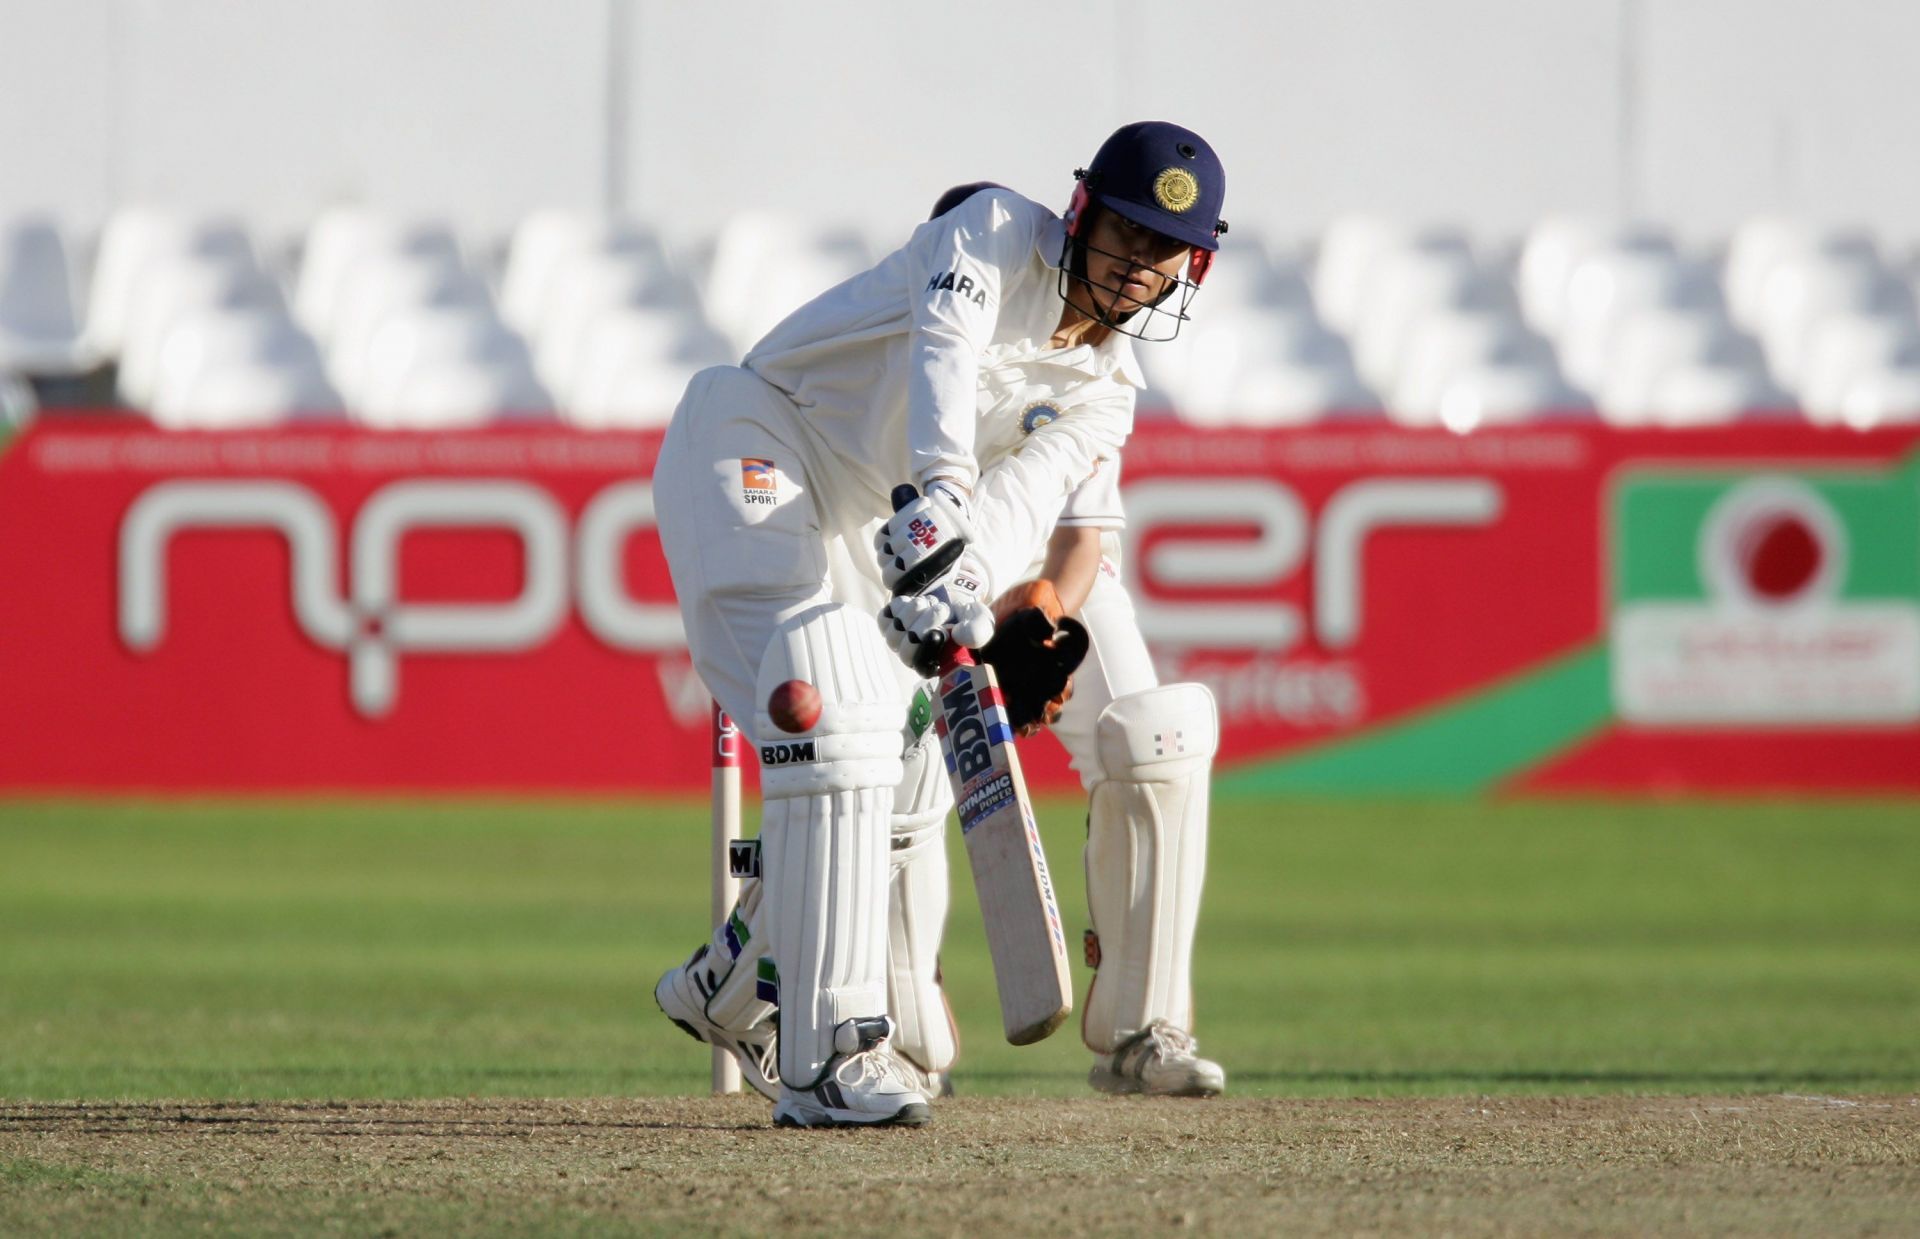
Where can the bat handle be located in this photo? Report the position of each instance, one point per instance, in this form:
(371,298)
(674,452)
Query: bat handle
(951,654)
(955,655)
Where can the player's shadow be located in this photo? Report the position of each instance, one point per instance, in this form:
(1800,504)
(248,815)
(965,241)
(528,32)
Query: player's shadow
(327,1119)
(1466,1081)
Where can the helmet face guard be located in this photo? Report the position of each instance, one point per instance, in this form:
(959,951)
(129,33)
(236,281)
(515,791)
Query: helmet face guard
(1153,322)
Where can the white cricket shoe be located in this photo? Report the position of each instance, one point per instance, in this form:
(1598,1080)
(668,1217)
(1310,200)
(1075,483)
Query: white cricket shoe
(682,995)
(864,1085)
(1160,1061)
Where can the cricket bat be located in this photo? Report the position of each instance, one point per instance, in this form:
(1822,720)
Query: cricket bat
(1003,843)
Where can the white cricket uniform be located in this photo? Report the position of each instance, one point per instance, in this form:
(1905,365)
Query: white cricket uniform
(934,363)
(774,476)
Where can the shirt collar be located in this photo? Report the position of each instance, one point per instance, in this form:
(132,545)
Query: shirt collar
(1120,348)
(1050,241)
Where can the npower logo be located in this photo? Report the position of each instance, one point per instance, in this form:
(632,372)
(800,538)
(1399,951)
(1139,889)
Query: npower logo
(582,566)
(372,626)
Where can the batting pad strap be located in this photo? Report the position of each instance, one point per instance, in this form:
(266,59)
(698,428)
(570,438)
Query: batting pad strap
(917,910)
(1159,735)
(855,743)
(908,844)
(922,800)
(731,965)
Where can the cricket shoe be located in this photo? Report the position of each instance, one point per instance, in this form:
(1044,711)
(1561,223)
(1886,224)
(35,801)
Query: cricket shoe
(864,1085)
(1160,1061)
(682,995)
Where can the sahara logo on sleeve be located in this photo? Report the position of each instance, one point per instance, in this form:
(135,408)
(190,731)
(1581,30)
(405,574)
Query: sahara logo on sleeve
(759,481)
(961,286)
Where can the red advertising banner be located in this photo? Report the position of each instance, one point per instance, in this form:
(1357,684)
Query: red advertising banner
(1559,606)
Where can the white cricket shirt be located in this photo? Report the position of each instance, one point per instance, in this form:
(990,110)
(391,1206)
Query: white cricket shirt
(937,363)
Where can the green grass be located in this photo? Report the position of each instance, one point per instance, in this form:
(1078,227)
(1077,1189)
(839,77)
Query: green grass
(319,949)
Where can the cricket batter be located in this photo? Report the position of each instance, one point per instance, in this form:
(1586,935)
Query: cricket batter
(988,362)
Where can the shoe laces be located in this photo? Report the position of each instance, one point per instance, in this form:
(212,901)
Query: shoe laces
(1170,1041)
(766,1053)
(875,1064)
(1159,1040)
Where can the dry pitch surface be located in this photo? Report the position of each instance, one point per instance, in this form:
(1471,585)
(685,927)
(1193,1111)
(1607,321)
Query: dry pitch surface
(1602,1165)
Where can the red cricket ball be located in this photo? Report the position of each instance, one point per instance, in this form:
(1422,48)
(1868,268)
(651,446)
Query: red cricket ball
(794,706)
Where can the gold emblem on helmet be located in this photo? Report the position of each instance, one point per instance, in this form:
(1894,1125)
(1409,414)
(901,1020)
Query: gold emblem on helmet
(1175,189)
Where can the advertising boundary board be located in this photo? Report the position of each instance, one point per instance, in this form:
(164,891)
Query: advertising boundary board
(1559,607)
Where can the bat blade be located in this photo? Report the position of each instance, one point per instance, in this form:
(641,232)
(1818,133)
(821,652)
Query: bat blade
(1024,933)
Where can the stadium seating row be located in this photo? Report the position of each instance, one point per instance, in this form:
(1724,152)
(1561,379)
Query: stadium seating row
(397,321)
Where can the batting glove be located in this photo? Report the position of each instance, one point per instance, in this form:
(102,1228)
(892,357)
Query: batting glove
(919,627)
(919,544)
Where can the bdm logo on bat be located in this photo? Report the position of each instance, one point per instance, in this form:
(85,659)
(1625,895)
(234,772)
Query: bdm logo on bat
(1749,599)
(967,752)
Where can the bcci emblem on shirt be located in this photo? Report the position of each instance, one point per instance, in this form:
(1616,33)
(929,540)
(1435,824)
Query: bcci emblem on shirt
(1038,414)
(759,481)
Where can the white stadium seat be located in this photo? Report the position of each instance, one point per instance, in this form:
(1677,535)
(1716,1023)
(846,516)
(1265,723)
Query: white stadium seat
(589,285)
(1760,244)
(1704,394)
(454,394)
(1756,245)
(348,237)
(1888,397)
(138,237)
(1554,247)
(1294,394)
(1501,394)
(246,393)
(543,245)
(766,266)
(1404,287)
(1349,249)
(635,397)
(379,285)
(1446,344)
(1842,347)
(633,366)
(1608,286)
(1649,343)
(168,290)
(204,340)
(39,331)
(1254,366)
(413,339)
(1800,292)
(1245,275)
